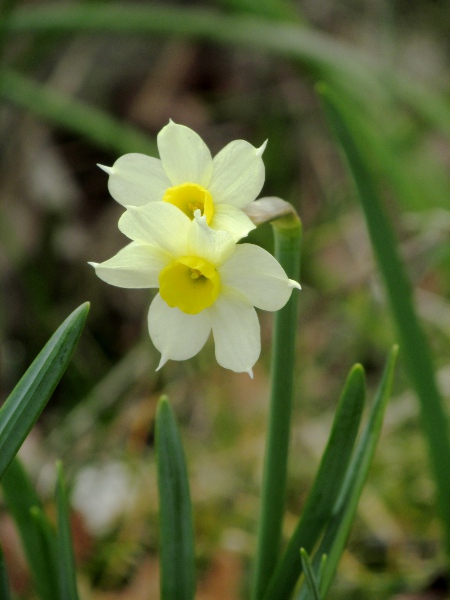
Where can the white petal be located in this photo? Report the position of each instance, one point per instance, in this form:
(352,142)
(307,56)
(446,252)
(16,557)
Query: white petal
(238,174)
(160,224)
(135,266)
(177,335)
(257,275)
(210,244)
(136,179)
(229,218)
(236,332)
(184,155)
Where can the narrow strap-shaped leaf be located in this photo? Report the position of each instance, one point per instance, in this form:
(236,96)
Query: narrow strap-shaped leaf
(337,531)
(24,405)
(5,593)
(177,566)
(415,349)
(66,559)
(326,487)
(37,538)
(310,578)
(74,115)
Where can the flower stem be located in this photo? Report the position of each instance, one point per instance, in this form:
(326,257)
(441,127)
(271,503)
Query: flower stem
(287,235)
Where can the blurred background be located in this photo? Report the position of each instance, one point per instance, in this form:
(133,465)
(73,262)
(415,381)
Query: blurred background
(84,83)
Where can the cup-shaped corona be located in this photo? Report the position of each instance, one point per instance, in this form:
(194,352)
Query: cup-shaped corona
(190,284)
(190,197)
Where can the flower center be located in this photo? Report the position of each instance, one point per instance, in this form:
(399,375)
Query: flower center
(190,197)
(190,284)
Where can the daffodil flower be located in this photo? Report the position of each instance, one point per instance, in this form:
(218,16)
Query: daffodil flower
(206,282)
(190,179)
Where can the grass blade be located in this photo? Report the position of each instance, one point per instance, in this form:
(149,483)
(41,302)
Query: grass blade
(24,405)
(66,559)
(416,353)
(337,531)
(175,512)
(310,579)
(38,538)
(74,115)
(326,487)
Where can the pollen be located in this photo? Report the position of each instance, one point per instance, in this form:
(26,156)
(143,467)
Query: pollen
(190,284)
(190,197)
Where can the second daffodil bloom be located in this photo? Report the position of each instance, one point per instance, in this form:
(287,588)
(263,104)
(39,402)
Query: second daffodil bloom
(189,178)
(206,282)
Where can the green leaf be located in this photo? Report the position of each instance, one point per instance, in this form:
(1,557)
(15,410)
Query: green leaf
(338,529)
(66,559)
(310,579)
(175,512)
(38,537)
(73,114)
(415,349)
(26,402)
(5,593)
(326,487)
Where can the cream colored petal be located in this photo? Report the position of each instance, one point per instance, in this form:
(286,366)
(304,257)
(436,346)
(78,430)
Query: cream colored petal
(231,219)
(210,244)
(238,174)
(256,274)
(136,179)
(184,155)
(177,335)
(135,266)
(236,332)
(158,223)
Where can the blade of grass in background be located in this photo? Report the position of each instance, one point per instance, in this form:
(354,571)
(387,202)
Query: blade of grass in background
(5,593)
(416,353)
(26,402)
(66,559)
(38,539)
(73,115)
(177,556)
(337,532)
(310,579)
(326,486)
(287,241)
(331,59)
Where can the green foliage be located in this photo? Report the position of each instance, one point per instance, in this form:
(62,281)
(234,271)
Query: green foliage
(326,488)
(36,532)
(175,511)
(25,403)
(66,561)
(417,356)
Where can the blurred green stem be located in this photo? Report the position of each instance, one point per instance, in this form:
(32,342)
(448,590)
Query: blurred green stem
(287,237)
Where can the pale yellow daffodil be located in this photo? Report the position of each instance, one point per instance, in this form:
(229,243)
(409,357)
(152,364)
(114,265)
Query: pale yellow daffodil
(189,178)
(206,282)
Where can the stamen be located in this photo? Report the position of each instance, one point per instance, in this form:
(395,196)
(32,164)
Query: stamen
(195,274)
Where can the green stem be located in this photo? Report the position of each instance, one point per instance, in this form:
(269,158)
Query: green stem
(287,234)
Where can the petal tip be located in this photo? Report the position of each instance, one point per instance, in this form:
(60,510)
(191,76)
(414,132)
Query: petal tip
(294,284)
(162,362)
(93,264)
(250,373)
(108,170)
(260,150)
